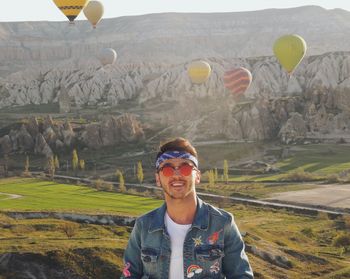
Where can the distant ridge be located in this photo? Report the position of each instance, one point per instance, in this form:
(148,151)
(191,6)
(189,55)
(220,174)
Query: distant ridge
(172,37)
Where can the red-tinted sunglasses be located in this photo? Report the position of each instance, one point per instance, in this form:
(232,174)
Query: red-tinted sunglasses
(169,170)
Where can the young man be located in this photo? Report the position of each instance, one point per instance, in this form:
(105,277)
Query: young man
(186,237)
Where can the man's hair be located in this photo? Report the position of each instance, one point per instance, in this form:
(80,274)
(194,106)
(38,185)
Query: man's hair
(177,144)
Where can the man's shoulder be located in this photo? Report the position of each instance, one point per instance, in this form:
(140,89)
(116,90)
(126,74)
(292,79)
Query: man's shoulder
(149,215)
(219,213)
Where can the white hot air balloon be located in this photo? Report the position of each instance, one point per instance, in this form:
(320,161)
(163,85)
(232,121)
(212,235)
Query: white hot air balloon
(94,12)
(107,56)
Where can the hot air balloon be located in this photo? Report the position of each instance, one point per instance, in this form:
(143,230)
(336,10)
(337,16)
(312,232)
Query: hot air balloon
(94,12)
(199,71)
(107,56)
(71,8)
(237,80)
(289,50)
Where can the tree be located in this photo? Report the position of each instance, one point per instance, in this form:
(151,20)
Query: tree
(120,176)
(216,175)
(211,178)
(139,172)
(225,171)
(51,167)
(6,164)
(75,160)
(57,162)
(82,164)
(26,165)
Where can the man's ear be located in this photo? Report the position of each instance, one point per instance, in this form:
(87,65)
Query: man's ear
(158,180)
(198,177)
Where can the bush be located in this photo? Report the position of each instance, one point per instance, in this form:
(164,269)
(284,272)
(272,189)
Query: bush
(298,176)
(347,221)
(342,240)
(333,178)
(102,185)
(322,216)
(308,232)
(70,229)
(22,229)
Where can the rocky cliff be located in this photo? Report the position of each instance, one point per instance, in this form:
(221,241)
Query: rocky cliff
(318,91)
(47,136)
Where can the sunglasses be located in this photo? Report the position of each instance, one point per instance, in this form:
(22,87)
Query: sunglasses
(169,170)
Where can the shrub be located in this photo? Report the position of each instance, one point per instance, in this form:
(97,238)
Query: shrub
(342,240)
(347,221)
(70,229)
(308,232)
(299,175)
(333,178)
(22,229)
(98,184)
(322,216)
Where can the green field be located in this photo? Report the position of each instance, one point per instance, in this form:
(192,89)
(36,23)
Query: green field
(305,242)
(39,195)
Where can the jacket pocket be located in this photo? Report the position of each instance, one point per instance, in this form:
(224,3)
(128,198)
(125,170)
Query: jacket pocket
(149,257)
(209,252)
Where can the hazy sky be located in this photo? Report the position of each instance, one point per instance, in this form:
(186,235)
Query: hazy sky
(24,10)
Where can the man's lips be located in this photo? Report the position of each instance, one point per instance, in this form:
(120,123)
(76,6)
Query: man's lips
(177,184)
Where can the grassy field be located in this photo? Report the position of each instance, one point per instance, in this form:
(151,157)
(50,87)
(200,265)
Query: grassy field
(252,190)
(305,242)
(39,195)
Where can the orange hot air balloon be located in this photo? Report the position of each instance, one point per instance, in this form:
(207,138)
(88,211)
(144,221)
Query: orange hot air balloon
(237,80)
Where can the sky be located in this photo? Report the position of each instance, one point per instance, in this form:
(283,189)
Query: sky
(38,10)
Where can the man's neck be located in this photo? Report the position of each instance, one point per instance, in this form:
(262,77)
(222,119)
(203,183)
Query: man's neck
(182,211)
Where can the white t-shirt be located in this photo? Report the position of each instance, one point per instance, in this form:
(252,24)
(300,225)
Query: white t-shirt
(177,235)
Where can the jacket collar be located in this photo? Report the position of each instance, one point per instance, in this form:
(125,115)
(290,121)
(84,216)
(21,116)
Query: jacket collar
(201,219)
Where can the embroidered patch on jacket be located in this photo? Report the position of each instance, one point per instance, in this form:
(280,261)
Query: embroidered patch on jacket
(215,268)
(126,271)
(193,269)
(197,241)
(214,237)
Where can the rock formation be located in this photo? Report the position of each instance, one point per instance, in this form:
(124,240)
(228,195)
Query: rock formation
(51,136)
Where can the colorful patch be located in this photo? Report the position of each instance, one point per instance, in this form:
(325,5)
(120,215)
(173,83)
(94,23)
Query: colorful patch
(126,271)
(214,237)
(193,269)
(197,241)
(215,268)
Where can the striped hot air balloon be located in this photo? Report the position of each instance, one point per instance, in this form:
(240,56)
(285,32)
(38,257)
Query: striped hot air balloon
(237,80)
(71,8)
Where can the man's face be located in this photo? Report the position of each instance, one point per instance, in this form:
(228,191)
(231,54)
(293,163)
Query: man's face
(178,185)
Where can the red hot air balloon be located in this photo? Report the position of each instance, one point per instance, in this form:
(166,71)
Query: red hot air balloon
(237,80)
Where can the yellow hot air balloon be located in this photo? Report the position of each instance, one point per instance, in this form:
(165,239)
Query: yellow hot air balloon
(199,71)
(71,8)
(94,12)
(289,50)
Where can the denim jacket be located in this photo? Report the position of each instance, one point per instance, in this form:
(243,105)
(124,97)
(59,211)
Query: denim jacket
(213,247)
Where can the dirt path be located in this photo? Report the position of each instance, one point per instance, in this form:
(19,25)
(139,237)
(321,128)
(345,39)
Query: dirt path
(11,196)
(331,195)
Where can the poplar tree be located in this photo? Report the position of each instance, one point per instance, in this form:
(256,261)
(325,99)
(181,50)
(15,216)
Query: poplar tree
(26,165)
(225,171)
(82,164)
(75,160)
(57,162)
(140,172)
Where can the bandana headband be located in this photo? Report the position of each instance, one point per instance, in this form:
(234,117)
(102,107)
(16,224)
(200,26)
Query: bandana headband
(176,154)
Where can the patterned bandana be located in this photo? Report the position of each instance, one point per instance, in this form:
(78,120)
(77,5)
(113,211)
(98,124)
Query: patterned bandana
(176,154)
